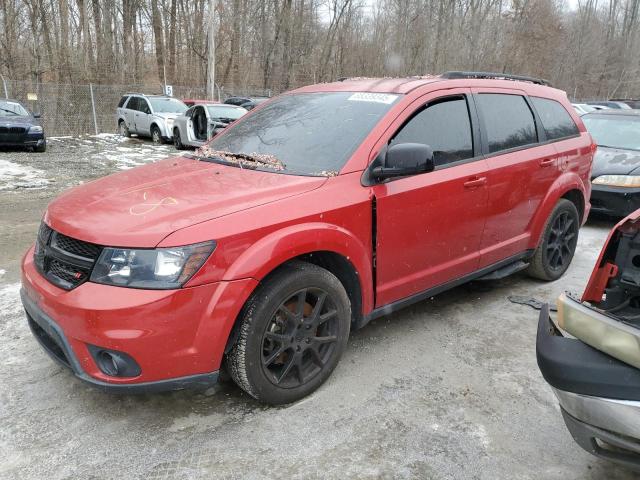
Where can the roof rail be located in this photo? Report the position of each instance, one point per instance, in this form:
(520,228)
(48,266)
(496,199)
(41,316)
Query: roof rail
(497,76)
(146,94)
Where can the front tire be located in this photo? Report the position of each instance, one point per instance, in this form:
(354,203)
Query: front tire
(177,141)
(41,148)
(558,245)
(156,135)
(292,333)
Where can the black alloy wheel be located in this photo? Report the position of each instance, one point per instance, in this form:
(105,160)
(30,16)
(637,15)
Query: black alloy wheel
(300,338)
(290,334)
(558,244)
(561,242)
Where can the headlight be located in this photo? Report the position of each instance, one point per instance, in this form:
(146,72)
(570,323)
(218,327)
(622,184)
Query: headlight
(618,180)
(169,122)
(160,268)
(35,129)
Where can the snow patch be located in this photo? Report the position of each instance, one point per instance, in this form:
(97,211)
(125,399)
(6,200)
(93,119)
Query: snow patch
(14,176)
(10,303)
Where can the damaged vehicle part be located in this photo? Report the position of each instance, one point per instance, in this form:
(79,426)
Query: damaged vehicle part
(201,122)
(596,375)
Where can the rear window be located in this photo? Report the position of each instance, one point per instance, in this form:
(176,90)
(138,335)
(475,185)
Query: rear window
(508,120)
(556,120)
(122,100)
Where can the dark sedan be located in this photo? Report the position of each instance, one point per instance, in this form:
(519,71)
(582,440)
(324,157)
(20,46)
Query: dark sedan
(19,127)
(616,166)
(247,103)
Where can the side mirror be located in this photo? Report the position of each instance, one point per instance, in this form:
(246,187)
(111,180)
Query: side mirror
(37,115)
(406,159)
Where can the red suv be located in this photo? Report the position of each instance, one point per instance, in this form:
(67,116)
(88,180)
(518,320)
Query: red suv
(324,208)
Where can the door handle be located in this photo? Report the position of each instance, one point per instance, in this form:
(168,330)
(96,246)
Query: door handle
(547,162)
(475,182)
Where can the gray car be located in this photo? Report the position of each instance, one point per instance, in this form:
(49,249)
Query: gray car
(202,121)
(148,115)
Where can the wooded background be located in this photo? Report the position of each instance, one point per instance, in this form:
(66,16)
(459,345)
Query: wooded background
(589,48)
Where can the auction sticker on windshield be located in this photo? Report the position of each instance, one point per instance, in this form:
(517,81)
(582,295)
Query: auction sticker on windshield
(373,97)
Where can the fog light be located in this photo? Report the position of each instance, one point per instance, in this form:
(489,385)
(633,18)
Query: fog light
(114,363)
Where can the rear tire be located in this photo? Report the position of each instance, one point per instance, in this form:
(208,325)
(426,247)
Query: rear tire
(558,244)
(123,129)
(292,333)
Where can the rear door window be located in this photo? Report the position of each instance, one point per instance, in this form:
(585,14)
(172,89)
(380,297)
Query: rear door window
(556,120)
(445,126)
(508,121)
(132,104)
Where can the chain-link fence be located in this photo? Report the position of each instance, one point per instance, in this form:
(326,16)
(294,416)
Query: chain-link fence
(89,109)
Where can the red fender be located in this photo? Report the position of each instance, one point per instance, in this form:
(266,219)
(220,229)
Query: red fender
(287,243)
(563,184)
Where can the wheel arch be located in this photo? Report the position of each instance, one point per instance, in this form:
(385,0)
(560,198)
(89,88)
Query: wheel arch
(576,197)
(324,245)
(568,186)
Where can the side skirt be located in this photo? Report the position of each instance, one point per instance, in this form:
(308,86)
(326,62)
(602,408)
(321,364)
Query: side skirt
(417,297)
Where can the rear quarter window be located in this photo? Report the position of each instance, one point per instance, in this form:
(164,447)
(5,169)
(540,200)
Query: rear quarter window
(508,121)
(122,101)
(556,121)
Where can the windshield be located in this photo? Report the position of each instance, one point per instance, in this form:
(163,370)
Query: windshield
(614,131)
(219,111)
(167,105)
(12,109)
(309,133)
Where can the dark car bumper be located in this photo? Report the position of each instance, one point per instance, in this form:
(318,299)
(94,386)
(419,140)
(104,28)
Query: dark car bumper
(54,342)
(26,140)
(614,201)
(599,395)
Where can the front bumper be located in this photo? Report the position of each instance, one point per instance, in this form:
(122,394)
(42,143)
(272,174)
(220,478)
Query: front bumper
(176,337)
(28,140)
(614,201)
(599,395)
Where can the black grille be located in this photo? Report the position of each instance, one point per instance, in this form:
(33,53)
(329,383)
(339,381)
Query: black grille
(12,134)
(76,247)
(64,261)
(19,130)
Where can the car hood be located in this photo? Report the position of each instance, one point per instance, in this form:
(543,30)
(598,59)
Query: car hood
(167,115)
(615,161)
(18,121)
(140,207)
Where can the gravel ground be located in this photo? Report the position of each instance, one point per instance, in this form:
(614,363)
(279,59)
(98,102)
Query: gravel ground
(446,389)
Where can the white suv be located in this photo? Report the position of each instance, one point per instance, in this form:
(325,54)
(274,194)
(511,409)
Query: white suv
(148,115)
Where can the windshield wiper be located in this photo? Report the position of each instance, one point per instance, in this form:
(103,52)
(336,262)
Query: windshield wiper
(9,111)
(242,160)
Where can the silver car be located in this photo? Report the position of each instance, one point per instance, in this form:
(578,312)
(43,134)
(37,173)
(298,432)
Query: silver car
(202,121)
(148,115)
